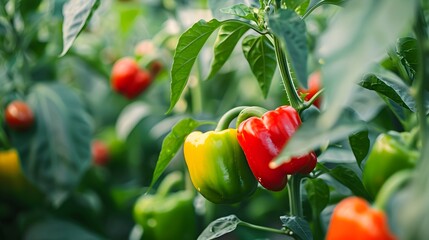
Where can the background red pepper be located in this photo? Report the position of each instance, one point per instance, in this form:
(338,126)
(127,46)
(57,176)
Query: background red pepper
(263,138)
(354,219)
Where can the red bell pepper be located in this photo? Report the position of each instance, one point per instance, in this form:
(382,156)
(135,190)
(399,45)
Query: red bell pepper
(262,139)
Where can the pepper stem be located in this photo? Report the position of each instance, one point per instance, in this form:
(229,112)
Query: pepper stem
(227,118)
(250,112)
(170,181)
(294,188)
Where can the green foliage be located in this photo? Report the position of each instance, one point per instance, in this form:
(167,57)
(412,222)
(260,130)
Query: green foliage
(260,55)
(76,13)
(299,227)
(290,29)
(359,143)
(56,153)
(187,50)
(228,36)
(172,143)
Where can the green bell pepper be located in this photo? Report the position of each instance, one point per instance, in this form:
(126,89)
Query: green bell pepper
(167,215)
(389,155)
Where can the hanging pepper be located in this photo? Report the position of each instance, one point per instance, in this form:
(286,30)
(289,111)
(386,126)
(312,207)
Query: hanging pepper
(389,155)
(262,139)
(167,215)
(218,167)
(354,219)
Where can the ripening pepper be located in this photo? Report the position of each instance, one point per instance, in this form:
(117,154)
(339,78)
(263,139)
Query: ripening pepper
(262,139)
(389,155)
(354,219)
(218,167)
(167,214)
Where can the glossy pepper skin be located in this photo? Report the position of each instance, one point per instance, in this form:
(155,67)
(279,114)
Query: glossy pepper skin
(166,214)
(218,167)
(389,155)
(128,79)
(354,219)
(18,115)
(262,139)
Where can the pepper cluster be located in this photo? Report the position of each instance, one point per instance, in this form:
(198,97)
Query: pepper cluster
(225,165)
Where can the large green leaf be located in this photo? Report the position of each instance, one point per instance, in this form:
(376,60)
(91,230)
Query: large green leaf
(291,31)
(317,194)
(391,86)
(172,143)
(311,135)
(299,227)
(359,143)
(359,35)
(240,10)
(76,14)
(228,36)
(260,55)
(187,50)
(220,227)
(56,153)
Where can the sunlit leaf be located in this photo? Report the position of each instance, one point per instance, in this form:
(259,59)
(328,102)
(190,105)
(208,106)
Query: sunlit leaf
(187,50)
(348,52)
(260,55)
(76,14)
(229,34)
(240,10)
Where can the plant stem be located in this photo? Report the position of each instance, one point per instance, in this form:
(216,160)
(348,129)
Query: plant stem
(262,228)
(294,100)
(250,112)
(418,89)
(227,118)
(294,187)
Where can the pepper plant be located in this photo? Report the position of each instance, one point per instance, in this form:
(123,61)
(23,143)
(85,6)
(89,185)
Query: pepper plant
(352,60)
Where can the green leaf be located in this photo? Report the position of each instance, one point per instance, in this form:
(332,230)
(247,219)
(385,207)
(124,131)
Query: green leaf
(229,34)
(359,143)
(407,48)
(350,179)
(293,4)
(187,50)
(220,227)
(311,135)
(240,10)
(348,52)
(52,229)
(261,56)
(317,194)
(56,152)
(291,31)
(172,143)
(391,86)
(298,226)
(76,14)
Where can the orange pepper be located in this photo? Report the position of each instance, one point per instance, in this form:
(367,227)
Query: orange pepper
(353,219)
